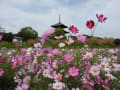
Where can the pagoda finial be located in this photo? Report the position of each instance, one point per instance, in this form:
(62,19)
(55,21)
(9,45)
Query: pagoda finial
(59,18)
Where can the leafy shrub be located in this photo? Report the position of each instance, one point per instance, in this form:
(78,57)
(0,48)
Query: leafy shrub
(117,41)
(94,41)
(7,44)
(31,42)
(108,41)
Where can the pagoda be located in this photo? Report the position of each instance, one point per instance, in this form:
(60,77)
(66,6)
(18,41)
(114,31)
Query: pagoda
(60,25)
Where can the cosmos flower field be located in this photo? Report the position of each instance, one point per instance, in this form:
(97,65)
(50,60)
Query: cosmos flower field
(38,68)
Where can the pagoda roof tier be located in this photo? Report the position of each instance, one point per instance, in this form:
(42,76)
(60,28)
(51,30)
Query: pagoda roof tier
(59,25)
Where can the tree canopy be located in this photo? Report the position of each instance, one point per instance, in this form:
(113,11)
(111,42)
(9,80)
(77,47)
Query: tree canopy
(28,33)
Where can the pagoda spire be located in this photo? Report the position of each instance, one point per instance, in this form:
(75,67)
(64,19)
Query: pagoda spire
(59,19)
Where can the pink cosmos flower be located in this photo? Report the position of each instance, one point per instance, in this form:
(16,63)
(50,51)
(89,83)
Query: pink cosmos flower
(57,77)
(59,37)
(16,61)
(37,45)
(1,72)
(73,71)
(98,79)
(101,18)
(2,60)
(58,86)
(26,79)
(25,86)
(73,29)
(95,70)
(46,34)
(54,52)
(68,58)
(23,50)
(48,73)
(105,84)
(42,41)
(1,37)
(90,24)
(69,41)
(49,32)
(55,64)
(45,50)
(81,38)
(45,72)
(18,87)
(116,67)
(88,55)
(87,81)
(110,76)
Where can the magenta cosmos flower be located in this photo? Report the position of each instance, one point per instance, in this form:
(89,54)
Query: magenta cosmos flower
(73,71)
(57,77)
(68,58)
(1,37)
(101,18)
(1,72)
(90,24)
(73,29)
(81,38)
(55,64)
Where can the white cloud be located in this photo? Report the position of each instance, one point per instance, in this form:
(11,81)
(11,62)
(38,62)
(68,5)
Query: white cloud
(16,14)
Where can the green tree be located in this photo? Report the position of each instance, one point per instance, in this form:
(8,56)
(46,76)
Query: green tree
(7,36)
(27,33)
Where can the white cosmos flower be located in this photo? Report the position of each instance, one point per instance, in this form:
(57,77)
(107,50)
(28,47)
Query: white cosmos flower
(95,70)
(104,64)
(45,72)
(57,85)
(61,44)
(29,49)
(37,45)
(88,55)
(110,76)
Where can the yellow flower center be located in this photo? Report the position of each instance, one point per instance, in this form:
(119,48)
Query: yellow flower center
(27,80)
(114,66)
(73,30)
(109,76)
(23,89)
(95,70)
(73,71)
(103,65)
(39,52)
(89,79)
(68,58)
(18,61)
(50,32)
(81,39)
(58,78)
(53,53)
(88,56)
(100,19)
(90,24)
(56,64)
(57,86)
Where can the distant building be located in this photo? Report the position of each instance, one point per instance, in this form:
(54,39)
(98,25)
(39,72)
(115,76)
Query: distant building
(2,30)
(17,39)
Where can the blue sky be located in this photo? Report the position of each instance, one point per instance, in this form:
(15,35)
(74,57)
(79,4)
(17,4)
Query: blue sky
(40,14)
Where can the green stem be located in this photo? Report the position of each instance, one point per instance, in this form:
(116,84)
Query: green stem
(93,31)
